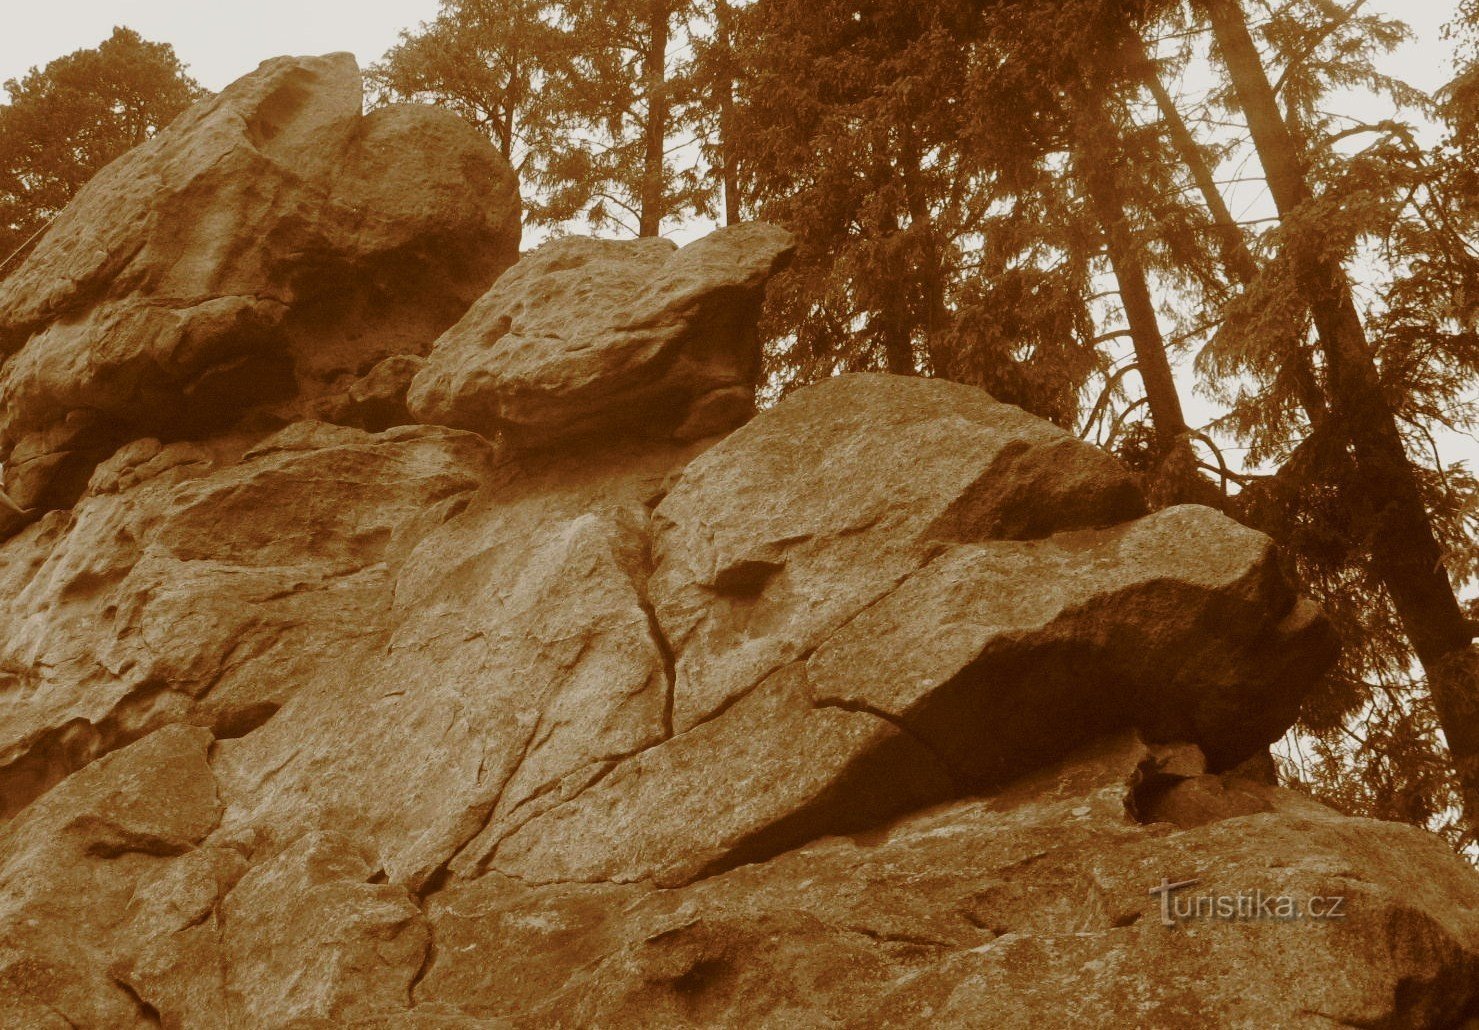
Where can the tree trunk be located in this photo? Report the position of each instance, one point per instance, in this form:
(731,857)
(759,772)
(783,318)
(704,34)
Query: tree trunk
(893,322)
(1175,478)
(1145,330)
(655,131)
(898,348)
(506,129)
(728,177)
(1232,245)
(931,272)
(1405,551)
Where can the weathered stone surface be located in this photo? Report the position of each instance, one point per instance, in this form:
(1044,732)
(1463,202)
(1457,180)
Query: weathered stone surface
(890,708)
(79,870)
(741,589)
(588,335)
(984,663)
(269,247)
(583,709)
(377,400)
(1028,908)
(848,661)
(201,584)
(521,667)
(306,934)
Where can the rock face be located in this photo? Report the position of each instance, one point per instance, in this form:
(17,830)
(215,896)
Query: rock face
(586,336)
(268,248)
(490,683)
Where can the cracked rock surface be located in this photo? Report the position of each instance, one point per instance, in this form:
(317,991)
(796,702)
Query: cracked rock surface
(262,253)
(517,677)
(589,336)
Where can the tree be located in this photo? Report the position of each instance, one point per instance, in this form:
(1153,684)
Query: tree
(715,73)
(587,98)
(66,121)
(958,187)
(1403,547)
(630,94)
(933,232)
(484,60)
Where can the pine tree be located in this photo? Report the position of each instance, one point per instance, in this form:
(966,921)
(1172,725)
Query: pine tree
(1383,488)
(934,235)
(629,95)
(488,61)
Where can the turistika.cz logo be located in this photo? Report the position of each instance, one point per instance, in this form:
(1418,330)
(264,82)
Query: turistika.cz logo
(1177,906)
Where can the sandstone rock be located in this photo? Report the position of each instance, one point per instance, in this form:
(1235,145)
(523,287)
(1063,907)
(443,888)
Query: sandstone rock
(984,663)
(741,589)
(269,245)
(586,336)
(1028,908)
(77,869)
(203,585)
(848,661)
(890,708)
(522,666)
(307,935)
(377,400)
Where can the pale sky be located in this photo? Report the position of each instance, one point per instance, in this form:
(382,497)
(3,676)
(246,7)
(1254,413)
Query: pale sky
(223,39)
(220,40)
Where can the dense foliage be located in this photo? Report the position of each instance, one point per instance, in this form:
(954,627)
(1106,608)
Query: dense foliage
(69,119)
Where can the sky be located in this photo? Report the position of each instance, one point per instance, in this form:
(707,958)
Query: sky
(220,40)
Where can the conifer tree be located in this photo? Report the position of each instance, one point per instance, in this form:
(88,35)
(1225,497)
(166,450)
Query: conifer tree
(590,99)
(1380,489)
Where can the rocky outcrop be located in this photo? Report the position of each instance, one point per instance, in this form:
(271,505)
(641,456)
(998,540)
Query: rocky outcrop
(523,685)
(125,614)
(267,249)
(1027,908)
(591,336)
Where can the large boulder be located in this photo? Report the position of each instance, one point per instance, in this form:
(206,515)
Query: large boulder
(452,691)
(1029,907)
(589,336)
(848,646)
(264,251)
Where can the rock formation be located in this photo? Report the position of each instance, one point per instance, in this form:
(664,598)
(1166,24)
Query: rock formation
(263,252)
(586,336)
(409,637)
